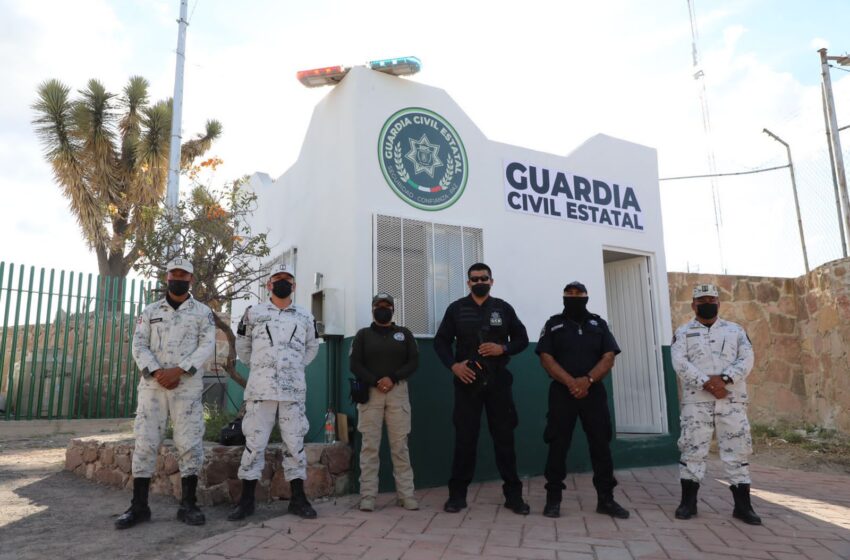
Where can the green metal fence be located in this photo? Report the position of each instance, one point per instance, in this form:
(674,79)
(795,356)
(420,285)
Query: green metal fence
(65,343)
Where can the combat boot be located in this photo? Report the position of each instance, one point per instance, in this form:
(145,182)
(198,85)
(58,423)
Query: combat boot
(606,505)
(688,506)
(553,504)
(245,507)
(743,507)
(189,512)
(298,504)
(139,510)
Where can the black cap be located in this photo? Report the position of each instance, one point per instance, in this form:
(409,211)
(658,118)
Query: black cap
(383,296)
(575,285)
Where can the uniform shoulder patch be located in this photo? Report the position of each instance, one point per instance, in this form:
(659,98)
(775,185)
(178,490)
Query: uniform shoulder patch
(399,336)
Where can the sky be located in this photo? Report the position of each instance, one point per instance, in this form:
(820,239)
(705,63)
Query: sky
(542,75)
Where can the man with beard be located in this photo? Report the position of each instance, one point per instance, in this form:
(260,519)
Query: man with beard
(577,351)
(486,331)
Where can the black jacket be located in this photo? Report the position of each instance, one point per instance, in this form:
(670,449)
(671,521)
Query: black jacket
(378,352)
(469,324)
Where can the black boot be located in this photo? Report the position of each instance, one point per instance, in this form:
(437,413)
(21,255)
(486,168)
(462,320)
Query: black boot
(454,504)
(139,510)
(189,512)
(553,504)
(245,507)
(688,506)
(299,504)
(605,504)
(516,504)
(743,507)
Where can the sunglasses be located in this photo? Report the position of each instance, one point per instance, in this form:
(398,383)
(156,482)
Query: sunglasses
(477,279)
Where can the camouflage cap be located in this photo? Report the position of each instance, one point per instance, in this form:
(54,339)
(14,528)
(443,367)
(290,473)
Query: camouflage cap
(281,268)
(702,290)
(180,263)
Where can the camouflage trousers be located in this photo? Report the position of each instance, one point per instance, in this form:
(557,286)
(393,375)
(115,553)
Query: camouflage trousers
(394,407)
(257,426)
(187,415)
(699,421)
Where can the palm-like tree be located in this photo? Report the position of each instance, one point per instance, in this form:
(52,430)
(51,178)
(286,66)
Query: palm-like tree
(109,155)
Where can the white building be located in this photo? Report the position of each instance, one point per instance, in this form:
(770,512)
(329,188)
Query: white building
(397,190)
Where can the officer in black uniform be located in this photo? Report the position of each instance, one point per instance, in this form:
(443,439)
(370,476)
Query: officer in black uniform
(577,350)
(486,331)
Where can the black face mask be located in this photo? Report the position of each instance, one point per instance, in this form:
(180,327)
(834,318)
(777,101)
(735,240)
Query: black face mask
(575,306)
(282,289)
(382,315)
(480,290)
(707,310)
(178,287)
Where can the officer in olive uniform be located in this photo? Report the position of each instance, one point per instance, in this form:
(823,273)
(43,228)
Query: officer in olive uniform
(486,331)
(173,339)
(577,351)
(383,357)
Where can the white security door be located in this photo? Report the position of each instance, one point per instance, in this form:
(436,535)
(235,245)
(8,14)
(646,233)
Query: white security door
(638,388)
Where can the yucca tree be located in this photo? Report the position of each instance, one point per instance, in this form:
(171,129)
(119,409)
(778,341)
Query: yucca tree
(109,155)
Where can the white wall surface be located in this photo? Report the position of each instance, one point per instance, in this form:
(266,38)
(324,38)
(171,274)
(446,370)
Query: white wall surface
(324,205)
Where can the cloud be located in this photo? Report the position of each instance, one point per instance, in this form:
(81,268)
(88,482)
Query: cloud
(819,43)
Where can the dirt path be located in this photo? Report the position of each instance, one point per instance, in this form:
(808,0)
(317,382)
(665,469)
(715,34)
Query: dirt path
(46,512)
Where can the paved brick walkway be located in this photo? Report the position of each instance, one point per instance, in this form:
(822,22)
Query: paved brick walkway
(806,516)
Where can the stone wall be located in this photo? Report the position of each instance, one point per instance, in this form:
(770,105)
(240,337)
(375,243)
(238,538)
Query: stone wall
(800,330)
(107,459)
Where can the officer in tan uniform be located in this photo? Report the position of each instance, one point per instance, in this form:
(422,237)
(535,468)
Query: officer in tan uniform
(712,358)
(174,337)
(278,340)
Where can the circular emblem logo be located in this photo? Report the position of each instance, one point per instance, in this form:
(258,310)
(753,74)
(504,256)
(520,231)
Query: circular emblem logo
(399,336)
(423,158)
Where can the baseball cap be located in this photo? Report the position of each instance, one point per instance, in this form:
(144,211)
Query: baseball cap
(701,290)
(180,263)
(575,285)
(383,296)
(281,268)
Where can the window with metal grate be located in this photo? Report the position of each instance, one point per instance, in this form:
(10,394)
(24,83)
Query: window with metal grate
(423,265)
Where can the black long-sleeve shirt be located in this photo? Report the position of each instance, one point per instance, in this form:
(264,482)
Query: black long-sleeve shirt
(378,352)
(470,324)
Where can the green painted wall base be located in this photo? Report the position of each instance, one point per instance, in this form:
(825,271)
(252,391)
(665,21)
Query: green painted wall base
(432,436)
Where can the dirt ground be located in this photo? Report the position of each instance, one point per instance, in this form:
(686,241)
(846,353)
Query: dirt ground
(47,512)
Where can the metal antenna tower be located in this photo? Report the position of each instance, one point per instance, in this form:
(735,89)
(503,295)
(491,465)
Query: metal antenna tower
(699,76)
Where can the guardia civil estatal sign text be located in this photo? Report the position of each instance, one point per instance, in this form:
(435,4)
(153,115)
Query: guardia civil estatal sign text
(537,190)
(423,158)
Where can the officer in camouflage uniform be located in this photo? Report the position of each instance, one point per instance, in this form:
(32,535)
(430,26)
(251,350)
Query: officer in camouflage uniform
(278,340)
(712,358)
(174,337)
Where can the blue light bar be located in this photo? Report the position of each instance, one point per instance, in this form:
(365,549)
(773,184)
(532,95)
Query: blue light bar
(404,66)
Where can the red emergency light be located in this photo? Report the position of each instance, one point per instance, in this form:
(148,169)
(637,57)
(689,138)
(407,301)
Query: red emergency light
(318,77)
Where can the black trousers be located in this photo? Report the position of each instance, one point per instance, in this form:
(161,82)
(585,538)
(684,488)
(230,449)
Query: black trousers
(595,417)
(497,401)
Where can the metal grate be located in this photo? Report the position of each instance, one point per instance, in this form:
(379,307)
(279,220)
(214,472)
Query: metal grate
(423,265)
